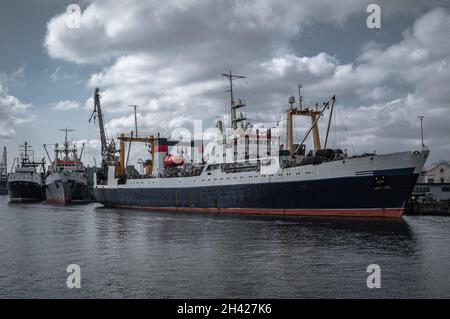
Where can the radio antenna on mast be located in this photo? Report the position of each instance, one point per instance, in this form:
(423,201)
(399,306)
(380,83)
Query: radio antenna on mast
(234,120)
(300,96)
(421,130)
(135,118)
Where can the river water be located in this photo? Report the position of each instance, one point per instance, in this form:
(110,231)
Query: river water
(139,254)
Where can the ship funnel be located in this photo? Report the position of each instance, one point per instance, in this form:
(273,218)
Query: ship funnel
(219,125)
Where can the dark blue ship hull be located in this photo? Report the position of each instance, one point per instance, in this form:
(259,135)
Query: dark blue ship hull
(383,194)
(3,188)
(20,191)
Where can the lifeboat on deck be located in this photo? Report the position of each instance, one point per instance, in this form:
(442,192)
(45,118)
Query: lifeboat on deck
(173,160)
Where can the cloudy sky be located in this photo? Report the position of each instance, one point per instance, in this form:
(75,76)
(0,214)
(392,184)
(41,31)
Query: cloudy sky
(167,56)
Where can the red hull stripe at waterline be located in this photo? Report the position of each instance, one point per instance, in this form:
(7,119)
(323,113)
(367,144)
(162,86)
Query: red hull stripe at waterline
(369,212)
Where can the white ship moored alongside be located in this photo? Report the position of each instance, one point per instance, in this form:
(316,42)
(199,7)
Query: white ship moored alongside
(66,180)
(248,172)
(25,182)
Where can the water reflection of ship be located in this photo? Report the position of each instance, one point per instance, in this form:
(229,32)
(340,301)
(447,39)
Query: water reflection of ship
(318,230)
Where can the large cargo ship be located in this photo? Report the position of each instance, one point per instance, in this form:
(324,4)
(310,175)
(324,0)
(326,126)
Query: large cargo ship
(246,171)
(26,181)
(3,174)
(66,180)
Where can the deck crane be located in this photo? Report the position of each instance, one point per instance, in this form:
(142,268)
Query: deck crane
(108,150)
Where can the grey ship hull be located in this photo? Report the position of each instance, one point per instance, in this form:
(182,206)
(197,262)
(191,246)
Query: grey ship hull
(66,189)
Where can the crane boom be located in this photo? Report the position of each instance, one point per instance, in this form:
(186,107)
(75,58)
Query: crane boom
(98,111)
(3,163)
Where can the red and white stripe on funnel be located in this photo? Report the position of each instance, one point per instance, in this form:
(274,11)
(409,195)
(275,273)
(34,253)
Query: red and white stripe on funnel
(162,148)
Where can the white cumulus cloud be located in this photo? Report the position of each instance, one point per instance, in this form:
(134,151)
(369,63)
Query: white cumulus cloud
(66,105)
(166,57)
(13,111)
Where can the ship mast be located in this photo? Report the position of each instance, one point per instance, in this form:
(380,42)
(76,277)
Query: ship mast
(234,105)
(23,160)
(310,112)
(315,116)
(135,118)
(66,149)
(329,120)
(25,157)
